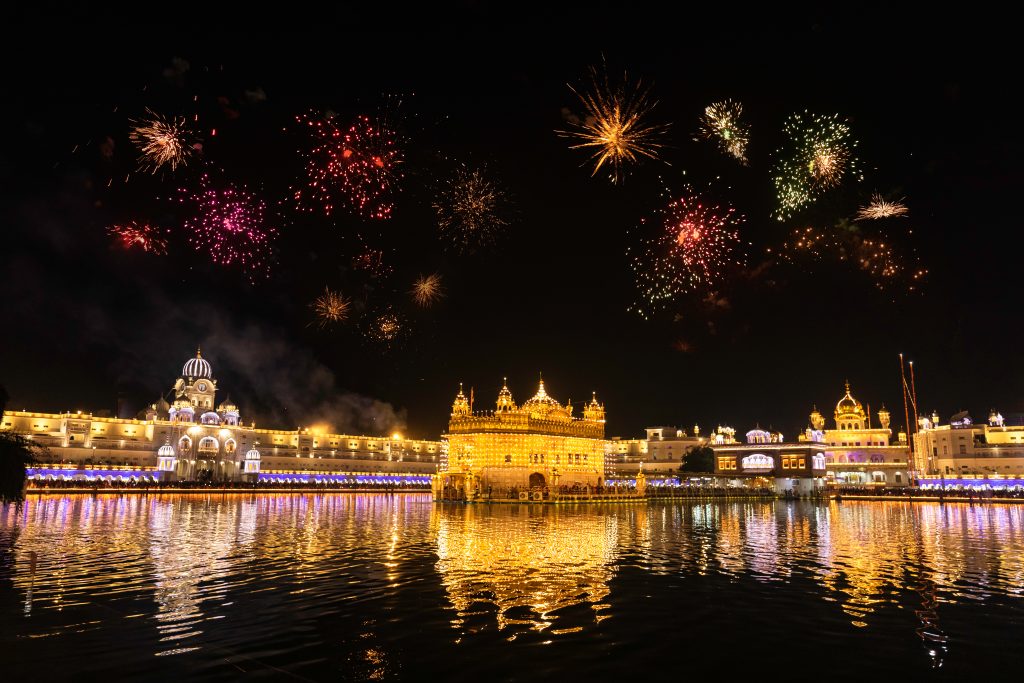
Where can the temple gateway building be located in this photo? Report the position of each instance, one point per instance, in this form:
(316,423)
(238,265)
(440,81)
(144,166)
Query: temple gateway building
(193,438)
(536,446)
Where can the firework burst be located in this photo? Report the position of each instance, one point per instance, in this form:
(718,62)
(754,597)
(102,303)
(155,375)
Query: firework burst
(614,128)
(330,307)
(386,329)
(722,122)
(371,261)
(163,142)
(881,261)
(692,246)
(358,166)
(142,236)
(469,210)
(819,156)
(230,225)
(879,208)
(427,290)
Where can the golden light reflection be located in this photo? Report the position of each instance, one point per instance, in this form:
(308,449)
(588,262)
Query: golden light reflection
(525,564)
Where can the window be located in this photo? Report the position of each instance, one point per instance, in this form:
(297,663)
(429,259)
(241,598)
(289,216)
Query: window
(758,461)
(963,449)
(801,463)
(508,458)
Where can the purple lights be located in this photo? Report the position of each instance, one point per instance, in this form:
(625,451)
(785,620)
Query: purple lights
(977,484)
(88,474)
(363,479)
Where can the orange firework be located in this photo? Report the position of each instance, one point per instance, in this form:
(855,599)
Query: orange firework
(142,236)
(162,142)
(330,307)
(614,127)
(427,290)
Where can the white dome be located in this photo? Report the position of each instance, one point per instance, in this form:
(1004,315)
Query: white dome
(253,454)
(197,367)
(166,451)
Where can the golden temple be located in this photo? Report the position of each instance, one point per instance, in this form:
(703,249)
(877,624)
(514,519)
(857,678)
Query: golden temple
(535,448)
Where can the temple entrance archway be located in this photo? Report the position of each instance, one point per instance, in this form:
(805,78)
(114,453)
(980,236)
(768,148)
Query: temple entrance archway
(536,480)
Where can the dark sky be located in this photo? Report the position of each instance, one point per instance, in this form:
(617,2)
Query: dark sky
(90,326)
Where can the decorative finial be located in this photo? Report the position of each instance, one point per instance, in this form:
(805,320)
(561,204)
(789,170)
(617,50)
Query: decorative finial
(847,386)
(199,352)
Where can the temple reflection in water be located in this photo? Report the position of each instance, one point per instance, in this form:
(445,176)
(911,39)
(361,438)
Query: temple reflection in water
(525,565)
(207,572)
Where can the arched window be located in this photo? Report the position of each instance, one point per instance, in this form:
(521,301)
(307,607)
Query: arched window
(877,457)
(758,462)
(818,461)
(508,458)
(184,445)
(208,444)
(230,446)
(210,418)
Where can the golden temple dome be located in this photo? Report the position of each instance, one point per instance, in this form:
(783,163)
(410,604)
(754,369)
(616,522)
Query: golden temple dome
(848,405)
(541,402)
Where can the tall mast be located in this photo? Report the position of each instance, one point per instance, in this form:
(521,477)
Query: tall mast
(906,415)
(913,395)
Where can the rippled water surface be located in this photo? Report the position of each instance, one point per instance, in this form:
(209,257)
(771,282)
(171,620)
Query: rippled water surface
(379,587)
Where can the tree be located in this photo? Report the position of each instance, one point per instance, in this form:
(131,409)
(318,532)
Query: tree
(698,459)
(16,453)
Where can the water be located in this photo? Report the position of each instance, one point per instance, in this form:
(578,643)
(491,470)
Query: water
(378,587)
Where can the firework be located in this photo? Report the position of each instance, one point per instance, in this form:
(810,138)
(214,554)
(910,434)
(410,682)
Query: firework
(818,156)
(427,290)
(722,123)
(162,142)
(693,244)
(230,225)
(358,166)
(149,238)
(614,127)
(880,208)
(372,262)
(469,209)
(386,328)
(330,307)
(881,261)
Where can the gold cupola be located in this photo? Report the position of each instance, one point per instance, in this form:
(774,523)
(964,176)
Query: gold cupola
(593,411)
(505,402)
(461,404)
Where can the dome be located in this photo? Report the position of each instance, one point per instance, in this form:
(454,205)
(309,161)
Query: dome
(166,451)
(541,402)
(505,401)
(197,367)
(252,454)
(848,404)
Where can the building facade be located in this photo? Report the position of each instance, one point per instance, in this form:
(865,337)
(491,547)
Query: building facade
(195,439)
(767,461)
(963,447)
(535,446)
(661,453)
(857,453)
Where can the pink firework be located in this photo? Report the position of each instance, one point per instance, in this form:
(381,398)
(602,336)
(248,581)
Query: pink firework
(133,235)
(691,250)
(358,167)
(230,225)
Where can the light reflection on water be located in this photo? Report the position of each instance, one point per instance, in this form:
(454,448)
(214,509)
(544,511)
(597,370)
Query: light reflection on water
(380,587)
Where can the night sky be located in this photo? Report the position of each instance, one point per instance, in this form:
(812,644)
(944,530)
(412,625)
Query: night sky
(88,325)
